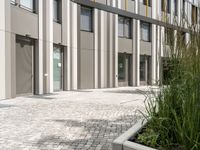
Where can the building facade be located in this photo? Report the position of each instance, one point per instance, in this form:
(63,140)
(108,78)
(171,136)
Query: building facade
(53,45)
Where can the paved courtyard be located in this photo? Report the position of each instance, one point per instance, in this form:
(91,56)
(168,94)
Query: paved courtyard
(75,120)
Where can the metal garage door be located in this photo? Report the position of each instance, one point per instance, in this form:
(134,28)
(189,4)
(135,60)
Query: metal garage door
(24,66)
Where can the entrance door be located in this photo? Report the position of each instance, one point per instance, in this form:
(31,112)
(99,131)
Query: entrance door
(24,66)
(124,69)
(57,69)
(144,70)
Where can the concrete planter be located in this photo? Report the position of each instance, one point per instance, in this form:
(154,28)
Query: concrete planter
(123,143)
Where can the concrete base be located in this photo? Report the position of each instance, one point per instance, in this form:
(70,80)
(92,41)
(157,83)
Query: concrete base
(123,143)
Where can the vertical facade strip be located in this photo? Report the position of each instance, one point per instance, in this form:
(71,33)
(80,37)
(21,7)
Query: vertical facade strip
(116,44)
(8,52)
(96,35)
(3,45)
(153,67)
(49,46)
(39,72)
(66,43)
(68,64)
(137,47)
(74,46)
(101,48)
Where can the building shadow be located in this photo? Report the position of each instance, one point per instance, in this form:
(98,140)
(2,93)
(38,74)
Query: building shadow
(136,91)
(6,106)
(98,133)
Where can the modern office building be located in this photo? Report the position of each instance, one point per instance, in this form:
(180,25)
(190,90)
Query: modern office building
(53,45)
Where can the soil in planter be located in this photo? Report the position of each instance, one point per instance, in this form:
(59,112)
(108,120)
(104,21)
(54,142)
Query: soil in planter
(148,137)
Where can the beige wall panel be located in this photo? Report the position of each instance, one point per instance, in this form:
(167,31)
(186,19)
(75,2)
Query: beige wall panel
(86,65)
(145,48)
(24,22)
(57,30)
(125,45)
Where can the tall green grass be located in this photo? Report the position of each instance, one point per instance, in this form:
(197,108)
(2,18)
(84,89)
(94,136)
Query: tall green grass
(174,115)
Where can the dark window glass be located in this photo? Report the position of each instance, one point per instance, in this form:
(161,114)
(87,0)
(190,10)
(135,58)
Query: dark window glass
(145,31)
(175,8)
(147,3)
(28,5)
(86,19)
(165,6)
(124,27)
(121,67)
(57,10)
(194,15)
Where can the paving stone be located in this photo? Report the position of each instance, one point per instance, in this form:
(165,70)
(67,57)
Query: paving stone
(88,120)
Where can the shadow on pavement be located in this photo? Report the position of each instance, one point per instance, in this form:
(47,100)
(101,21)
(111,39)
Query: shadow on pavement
(95,133)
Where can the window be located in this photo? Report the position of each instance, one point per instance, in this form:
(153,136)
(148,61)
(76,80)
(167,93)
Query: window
(121,67)
(124,27)
(194,15)
(165,6)
(147,1)
(57,10)
(175,8)
(145,32)
(86,19)
(169,36)
(13,2)
(183,9)
(28,4)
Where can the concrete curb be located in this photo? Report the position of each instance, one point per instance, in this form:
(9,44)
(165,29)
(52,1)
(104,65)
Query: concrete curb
(123,143)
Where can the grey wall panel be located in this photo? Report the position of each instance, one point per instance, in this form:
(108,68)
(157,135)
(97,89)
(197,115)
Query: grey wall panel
(86,60)
(57,33)
(145,48)
(166,51)
(125,45)
(13,65)
(24,67)
(106,50)
(142,10)
(101,1)
(24,22)
(131,6)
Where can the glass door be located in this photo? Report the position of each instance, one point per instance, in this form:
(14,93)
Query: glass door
(144,69)
(57,69)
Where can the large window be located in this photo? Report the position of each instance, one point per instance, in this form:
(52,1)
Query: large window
(165,6)
(57,10)
(175,7)
(86,19)
(124,27)
(183,9)
(145,31)
(13,2)
(28,4)
(169,36)
(147,2)
(121,67)
(194,15)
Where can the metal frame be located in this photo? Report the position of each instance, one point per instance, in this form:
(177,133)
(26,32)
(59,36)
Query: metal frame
(124,13)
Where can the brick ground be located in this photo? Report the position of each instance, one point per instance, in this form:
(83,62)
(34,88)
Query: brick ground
(77,120)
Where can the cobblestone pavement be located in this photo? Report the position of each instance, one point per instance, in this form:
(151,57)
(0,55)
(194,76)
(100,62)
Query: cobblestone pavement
(81,120)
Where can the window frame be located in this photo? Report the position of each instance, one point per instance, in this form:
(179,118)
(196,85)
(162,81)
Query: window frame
(176,7)
(33,10)
(149,32)
(59,13)
(92,18)
(194,15)
(125,20)
(149,3)
(165,7)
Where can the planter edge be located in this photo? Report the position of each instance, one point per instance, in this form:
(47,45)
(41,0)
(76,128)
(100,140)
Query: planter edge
(122,143)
